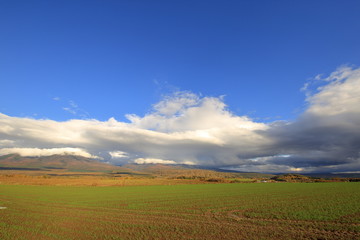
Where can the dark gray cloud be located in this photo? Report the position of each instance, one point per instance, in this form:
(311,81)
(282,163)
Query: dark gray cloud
(327,135)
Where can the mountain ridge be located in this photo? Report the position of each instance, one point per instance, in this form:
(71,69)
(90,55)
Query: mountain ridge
(58,162)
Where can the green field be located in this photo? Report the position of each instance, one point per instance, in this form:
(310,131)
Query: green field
(203,211)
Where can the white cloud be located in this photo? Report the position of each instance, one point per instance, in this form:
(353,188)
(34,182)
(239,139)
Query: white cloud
(118,154)
(176,104)
(153,161)
(340,95)
(296,169)
(38,152)
(186,111)
(70,110)
(75,110)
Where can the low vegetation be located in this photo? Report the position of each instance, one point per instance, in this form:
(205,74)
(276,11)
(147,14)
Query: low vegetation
(201,211)
(100,201)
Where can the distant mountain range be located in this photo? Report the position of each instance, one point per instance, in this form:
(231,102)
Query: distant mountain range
(56,162)
(72,163)
(188,171)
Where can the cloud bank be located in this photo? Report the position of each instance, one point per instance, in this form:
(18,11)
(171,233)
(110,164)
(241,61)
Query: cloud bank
(186,128)
(40,152)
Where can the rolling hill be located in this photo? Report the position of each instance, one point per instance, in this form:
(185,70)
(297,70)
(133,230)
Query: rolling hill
(57,162)
(190,171)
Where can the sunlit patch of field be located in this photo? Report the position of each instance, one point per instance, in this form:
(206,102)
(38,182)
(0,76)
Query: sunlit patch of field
(64,178)
(91,179)
(201,211)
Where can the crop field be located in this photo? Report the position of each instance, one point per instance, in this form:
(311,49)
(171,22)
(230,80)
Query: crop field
(91,180)
(201,211)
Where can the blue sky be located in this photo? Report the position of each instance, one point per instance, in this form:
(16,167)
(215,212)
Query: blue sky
(198,82)
(118,57)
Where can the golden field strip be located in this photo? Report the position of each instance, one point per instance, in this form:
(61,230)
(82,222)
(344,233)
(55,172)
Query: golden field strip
(182,211)
(64,178)
(89,180)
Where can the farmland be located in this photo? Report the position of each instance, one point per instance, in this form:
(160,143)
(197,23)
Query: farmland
(196,211)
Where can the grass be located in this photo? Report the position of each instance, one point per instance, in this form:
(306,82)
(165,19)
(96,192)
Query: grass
(201,211)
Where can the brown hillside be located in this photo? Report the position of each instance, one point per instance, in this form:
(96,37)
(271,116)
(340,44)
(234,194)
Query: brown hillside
(176,171)
(57,162)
